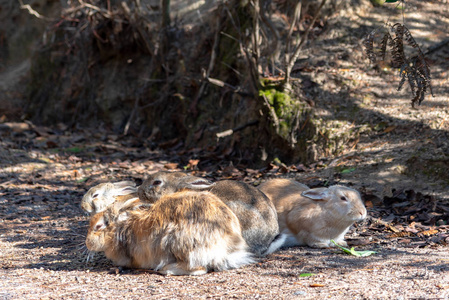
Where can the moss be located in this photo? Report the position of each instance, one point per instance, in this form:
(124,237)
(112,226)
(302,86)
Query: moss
(280,101)
(284,128)
(285,107)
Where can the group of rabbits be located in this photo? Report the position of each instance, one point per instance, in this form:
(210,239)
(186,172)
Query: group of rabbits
(179,224)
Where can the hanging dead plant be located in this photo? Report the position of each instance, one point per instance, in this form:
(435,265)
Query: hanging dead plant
(412,68)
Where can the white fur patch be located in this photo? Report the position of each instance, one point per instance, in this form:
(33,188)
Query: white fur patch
(276,244)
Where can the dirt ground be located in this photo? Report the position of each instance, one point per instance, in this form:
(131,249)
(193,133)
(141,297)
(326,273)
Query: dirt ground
(399,163)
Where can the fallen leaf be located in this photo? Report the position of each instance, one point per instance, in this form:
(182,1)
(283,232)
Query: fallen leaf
(428,232)
(15,127)
(399,234)
(442,287)
(389,128)
(352,251)
(405,241)
(171,166)
(392,228)
(306,274)
(193,163)
(316,285)
(369,204)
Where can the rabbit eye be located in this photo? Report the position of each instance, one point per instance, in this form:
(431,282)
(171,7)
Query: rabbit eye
(98,227)
(343,198)
(157,182)
(95,196)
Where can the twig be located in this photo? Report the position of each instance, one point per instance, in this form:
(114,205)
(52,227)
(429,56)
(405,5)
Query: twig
(102,11)
(131,116)
(274,52)
(31,11)
(165,14)
(221,83)
(255,34)
(293,136)
(272,113)
(213,56)
(296,16)
(246,52)
(295,55)
(238,128)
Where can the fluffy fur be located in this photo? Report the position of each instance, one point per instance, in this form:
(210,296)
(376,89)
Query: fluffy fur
(184,233)
(256,214)
(313,217)
(99,197)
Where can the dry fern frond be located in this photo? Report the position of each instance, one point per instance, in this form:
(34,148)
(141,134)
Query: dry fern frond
(383,44)
(414,70)
(409,38)
(422,66)
(397,51)
(398,29)
(369,46)
(404,75)
(412,84)
(420,81)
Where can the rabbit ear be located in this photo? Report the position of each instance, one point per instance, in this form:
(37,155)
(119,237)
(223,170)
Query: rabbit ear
(195,183)
(318,194)
(124,184)
(129,203)
(126,191)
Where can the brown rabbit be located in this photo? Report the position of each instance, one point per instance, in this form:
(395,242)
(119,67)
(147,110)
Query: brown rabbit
(184,233)
(314,217)
(256,213)
(102,195)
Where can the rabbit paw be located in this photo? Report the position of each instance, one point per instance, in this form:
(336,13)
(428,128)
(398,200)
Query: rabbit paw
(180,269)
(320,244)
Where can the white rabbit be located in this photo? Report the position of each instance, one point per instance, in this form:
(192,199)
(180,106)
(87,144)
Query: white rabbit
(102,195)
(314,217)
(256,214)
(184,233)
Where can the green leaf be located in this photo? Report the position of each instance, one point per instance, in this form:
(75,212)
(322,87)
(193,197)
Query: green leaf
(346,250)
(74,149)
(82,180)
(366,253)
(352,251)
(306,274)
(345,171)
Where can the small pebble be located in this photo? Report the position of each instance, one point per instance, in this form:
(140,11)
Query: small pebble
(300,293)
